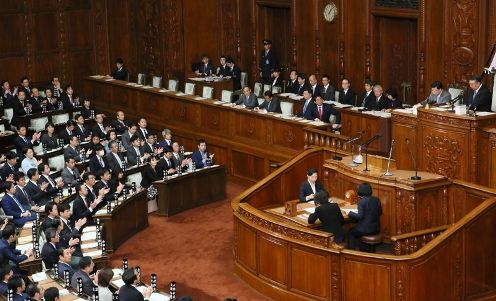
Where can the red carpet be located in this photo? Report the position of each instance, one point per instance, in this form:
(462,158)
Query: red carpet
(193,248)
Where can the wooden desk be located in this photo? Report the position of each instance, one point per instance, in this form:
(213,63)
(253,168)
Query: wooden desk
(125,220)
(218,85)
(456,146)
(233,135)
(191,190)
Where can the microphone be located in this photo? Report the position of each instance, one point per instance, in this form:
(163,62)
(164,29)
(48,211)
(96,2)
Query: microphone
(456,99)
(357,137)
(415,177)
(375,137)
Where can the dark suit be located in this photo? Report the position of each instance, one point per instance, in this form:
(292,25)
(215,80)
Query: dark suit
(120,74)
(363,99)
(140,132)
(86,112)
(21,143)
(80,209)
(51,189)
(348,98)
(178,161)
(249,102)
(272,106)
(332,219)
(112,162)
(24,198)
(8,98)
(66,234)
(39,196)
(327,111)
(267,64)
(71,152)
(207,69)
(119,126)
(49,142)
(148,176)
(132,155)
(64,134)
(327,94)
(375,104)
(300,88)
(130,293)
(235,74)
(6,170)
(126,139)
(10,254)
(307,112)
(316,91)
(147,148)
(482,100)
(87,282)
(223,70)
(292,86)
(306,189)
(95,165)
(10,207)
(163,166)
(18,110)
(368,217)
(68,101)
(70,178)
(277,82)
(96,130)
(198,159)
(4,289)
(35,104)
(49,255)
(65,267)
(81,131)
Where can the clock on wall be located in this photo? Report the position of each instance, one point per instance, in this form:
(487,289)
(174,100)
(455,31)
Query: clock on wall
(330,12)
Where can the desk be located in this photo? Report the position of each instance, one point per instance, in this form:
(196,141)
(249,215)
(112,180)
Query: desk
(191,190)
(218,85)
(37,121)
(233,135)
(125,220)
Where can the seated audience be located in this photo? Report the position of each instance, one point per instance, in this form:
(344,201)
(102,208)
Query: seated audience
(49,139)
(80,130)
(178,158)
(276,79)
(10,254)
(86,266)
(302,85)
(270,104)
(205,68)
(68,131)
(126,137)
(329,215)
(165,165)
(97,163)
(308,105)
(479,96)
(99,129)
(223,69)
(34,291)
(322,111)
(21,142)
(201,155)
(135,153)
(379,102)
(44,170)
(128,291)
(392,99)
(115,159)
(52,212)
(120,72)
(368,95)
(6,273)
(29,160)
(142,131)
(82,207)
(38,193)
(49,253)
(167,135)
(346,94)
(20,193)
(70,174)
(119,124)
(327,90)
(234,73)
(64,263)
(69,100)
(248,99)
(13,207)
(17,285)
(86,110)
(7,170)
(311,186)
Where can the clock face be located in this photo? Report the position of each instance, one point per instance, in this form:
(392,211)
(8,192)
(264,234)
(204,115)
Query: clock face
(330,12)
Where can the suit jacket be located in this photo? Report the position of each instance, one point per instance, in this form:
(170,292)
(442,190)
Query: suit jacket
(18,110)
(95,165)
(250,101)
(273,106)
(300,88)
(132,156)
(4,289)
(130,293)
(68,101)
(292,87)
(71,152)
(147,148)
(327,111)
(328,94)
(49,255)
(65,267)
(376,105)
(119,126)
(394,103)
(141,134)
(21,143)
(368,216)
(179,161)
(236,78)
(317,91)
(482,100)
(81,132)
(96,130)
(24,199)
(206,69)
(35,104)
(307,112)
(64,134)
(197,158)
(332,219)
(223,70)
(52,190)
(10,254)
(148,176)
(363,99)
(349,98)
(444,97)
(50,142)
(277,82)
(39,196)
(126,139)
(120,74)
(112,162)
(86,112)
(87,282)
(163,166)
(267,64)
(6,170)
(70,178)
(306,189)
(80,209)
(10,207)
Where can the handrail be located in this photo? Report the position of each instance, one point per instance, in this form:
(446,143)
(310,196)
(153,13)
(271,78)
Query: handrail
(408,243)
(319,137)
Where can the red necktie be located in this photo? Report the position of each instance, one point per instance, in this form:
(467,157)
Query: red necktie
(320,112)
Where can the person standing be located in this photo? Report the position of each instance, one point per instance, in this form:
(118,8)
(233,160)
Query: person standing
(267,63)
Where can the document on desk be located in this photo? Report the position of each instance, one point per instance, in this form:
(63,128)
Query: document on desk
(25,239)
(24,247)
(94,253)
(310,210)
(88,236)
(159,297)
(348,210)
(89,245)
(303,216)
(89,229)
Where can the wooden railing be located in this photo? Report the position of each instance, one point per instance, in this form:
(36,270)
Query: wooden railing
(409,243)
(319,137)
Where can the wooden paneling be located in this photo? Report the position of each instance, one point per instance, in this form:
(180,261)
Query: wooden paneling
(273,260)
(372,278)
(246,244)
(308,271)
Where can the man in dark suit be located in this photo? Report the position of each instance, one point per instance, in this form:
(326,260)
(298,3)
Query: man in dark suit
(149,146)
(53,186)
(119,124)
(167,135)
(39,194)
(64,264)
(99,128)
(302,85)
(52,212)
(120,72)
(276,79)
(71,230)
(329,214)
(86,266)
(234,73)
(311,186)
(165,165)
(314,86)
(81,208)
(114,157)
(379,102)
(80,129)
(268,62)
(68,131)
(270,104)
(72,150)
(105,184)
(13,207)
(97,162)
(50,102)
(128,291)
(8,169)
(308,105)
(56,87)
(70,174)
(201,155)
(136,153)
(323,111)
(18,108)
(25,86)
(34,102)
(8,95)
(205,68)
(22,141)
(126,137)
(8,253)
(223,69)
(479,97)
(20,193)
(248,99)
(292,84)
(327,90)
(368,95)
(178,158)
(142,130)
(368,216)
(49,253)
(346,95)
(69,100)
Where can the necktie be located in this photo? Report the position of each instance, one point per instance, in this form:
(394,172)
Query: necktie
(101,162)
(320,112)
(50,181)
(25,139)
(26,195)
(305,106)
(68,226)
(118,159)
(18,204)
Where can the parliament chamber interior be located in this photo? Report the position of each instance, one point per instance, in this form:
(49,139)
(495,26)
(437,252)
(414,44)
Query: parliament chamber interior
(248,150)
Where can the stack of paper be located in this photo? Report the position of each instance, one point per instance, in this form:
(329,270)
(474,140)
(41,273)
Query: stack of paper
(93,253)
(118,283)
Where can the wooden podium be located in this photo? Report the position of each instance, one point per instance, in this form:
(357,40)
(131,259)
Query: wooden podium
(456,146)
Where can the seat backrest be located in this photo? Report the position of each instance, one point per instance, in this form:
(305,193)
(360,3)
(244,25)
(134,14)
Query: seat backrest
(244,79)
(189,88)
(257,89)
(141,78)
(57,162)
(60,118)
(38,149)
(9,113)
(454,92)
(336,95)
(2,128)
(287,108)
(38,124)
(172,85)
(226,96)
(157,82)
(135,177)
(276,89)
(207,92)
(260,100)
(265,89)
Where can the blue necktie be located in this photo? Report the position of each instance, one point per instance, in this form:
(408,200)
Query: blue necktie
(18,204)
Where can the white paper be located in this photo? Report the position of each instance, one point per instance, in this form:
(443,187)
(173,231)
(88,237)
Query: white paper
(101,211)
(94,253)
(180,94)
(109,79)
(163,90)
(63,292)
(310,210)
(159,297)
(117,272)
(89,245)
(147,87)
(89,229)
(24,247)
(28,225)
(39,276)
(484,113)
(304,216)
(118,282)
(88,236)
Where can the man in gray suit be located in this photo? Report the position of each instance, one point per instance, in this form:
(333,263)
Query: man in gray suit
(438,94)
(247,99)
(70,174)
(126,137)
(86,266)
(136,153)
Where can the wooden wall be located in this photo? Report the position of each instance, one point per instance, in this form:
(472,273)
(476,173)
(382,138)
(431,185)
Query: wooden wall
(446,40)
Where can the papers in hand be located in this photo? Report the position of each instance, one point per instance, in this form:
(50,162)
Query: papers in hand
(118,283)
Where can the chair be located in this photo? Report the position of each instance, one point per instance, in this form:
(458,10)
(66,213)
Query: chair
(276,90)
(38,124)
(141,78)
(257,89)
(157,82)
(455,90)
(172,85)
(135,177)
(57,162)
(372,241)
(38,149)
(260,100)
(244,79)
(208,92)
(336,95)
(266,88)
(60,118)
(189,88)
(226,96)
(8,113)
(2,128)
(287,108)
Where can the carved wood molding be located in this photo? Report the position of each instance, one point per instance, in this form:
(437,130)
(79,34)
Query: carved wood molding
(100,36)
(173,42)
(464,47)
(443,119)
(403,118)
(335,278)
(400,282)
(441,153)
(405,208)
(62,40)
(151,36)
(285,231)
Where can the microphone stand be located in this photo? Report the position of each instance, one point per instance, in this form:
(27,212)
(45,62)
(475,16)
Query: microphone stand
(353,163)
(366,144)
(415,177)
(388,172)
(336,157)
